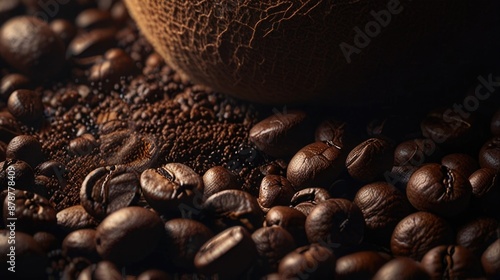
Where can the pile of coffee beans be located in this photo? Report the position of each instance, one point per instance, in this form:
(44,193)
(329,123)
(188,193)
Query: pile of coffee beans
(114,166)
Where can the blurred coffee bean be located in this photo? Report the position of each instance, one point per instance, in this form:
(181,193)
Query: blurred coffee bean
(399,176)
(337,133)
(490,260)
(272,244)
(489,155)
(171,187)
(360,265)
(154,274)
(8,127)
(51,169)
(463,163)
(23,175)
(370,159)
(115,66)
(451,262)
(74,218)
(9,9)
(233,208)
(282,134)
(228,254)
(274,190)
(107,189)
(26,148)
(217,179)
(80,243)
(416,152)
(401,268)
(82,145)
(335,221)
(29,260)
(47,241)
(11,83)
(32,211)
(103,270)
(92,43)
(94,18)
(119,13)
(439,189)
(308,262)
(477,234)
(19,36)
(383,207)
(290,219)
(317,164)
(128,235)
(419,232)
(485,184)
(495,123)
(26,106)
(64,29)
(75,267)
(184,237)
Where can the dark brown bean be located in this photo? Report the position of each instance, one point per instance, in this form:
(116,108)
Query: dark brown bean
(154,274)
(103,270)
(490,260)
(80,243)
(337,133)
(360,265)
(274,190)
(452,262)
(401,268)
(477,234)
(74,218)
(21,174)
(485,184)
(272,244)
(462,163)
(290,219)
(489,155)
(370,159)
(94,18)
(415,152)
(64,29)
(47,241)
(11,83)
(313,195)
(26,106)
(308,262)
(82,145)
(93,43)
(26,148)
(217,179)
(115,66)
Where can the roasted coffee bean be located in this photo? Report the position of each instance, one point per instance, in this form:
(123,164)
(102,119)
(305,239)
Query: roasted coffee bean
(335,220)
(489,155)
(290,219)
(415,152)
(399,176)
(82,145)
(154,274)
(308,262)
(92,43)
(184,237)
(47,241)
(490,260)
(29,260)
(80,243)
(94,18)
(419,232)
(128,235)
(233,208)
(439,189)
(74,218)
(370,159)
(26,148)
(360,265)
(485,184)
(337,133)
(8,127)
(274,190)
(64,29)
(26,106)
(282,134)
(11,83)
(107,189)
(10,8)
(317,164)
(217,179)
(463,163)
(172,188)
(401,268)
(451,262)
(19,172)
(228,254)
(313,195)
(51,169)
(495,123)
(74,268)
(272,244)
(103,270)
(19,36)
(383,207)
(115,66)
(477,234)
(305,207)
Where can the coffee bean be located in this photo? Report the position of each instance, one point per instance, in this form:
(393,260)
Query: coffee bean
(419,232)
(75,267)
(184,237)
(274,190)
(438,189)
(64,29)
(19,36)
(154,274)
(23,175)
(26,106)
(80,243)
(74,218)
(462,163)
(477,234)
(26,148)
(92,43)
(10,8)
(51,169)
(312,195)
(233,208)
(29,261)
(172,187)
(495,123)
(452,262)
(281,134)
(107,189)
(401,268)
(94,18)
(415,152)
(11,83)
(290,219)
(8,127)
(489,155)
(305,207)
(338,133)
(115,66)
(317,164)
(82,145)
(335,220)
(360,265)
(490,260)
(47,241)
(370,159)
(399,176)
(308,262)
(272,244)
(228,254)
(217,179)
(128,235)
(485,184)
(103,270)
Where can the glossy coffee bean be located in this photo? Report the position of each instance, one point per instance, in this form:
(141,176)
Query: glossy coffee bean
(82,145)
(462,163)
(495,123)
(452,262)
(272,244)
(419,232)
(26,148)
(282,134)
(107,189)
(401,268)
(312,195)
(26,106)
(489,155)
(233,208)
(335,220)
(317,164)
(217,179)
(80,243)
(290,219)
(47,241)
(11,83)
(168,187)
(184,237)
(308,262)
(439,189)
(415,152)
(337,133)
(116,65)
(370,159)
(360,265)
(74,218)
(274,190)
(28,259)
(20,173)
(228,254)
(477,234)
(128,235)
(92,43)
(93,18)
(383,207)
(485,184)
(64,29)
(490,260)
(103,270)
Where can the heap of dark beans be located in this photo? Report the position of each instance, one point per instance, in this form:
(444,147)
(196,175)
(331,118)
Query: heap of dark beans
(112,166)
